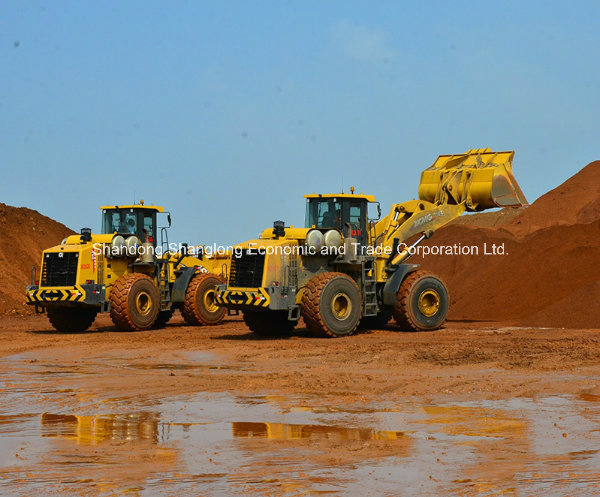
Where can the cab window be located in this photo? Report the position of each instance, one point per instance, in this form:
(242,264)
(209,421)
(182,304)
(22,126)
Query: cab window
(149,227)
(111,221)
(129,223)
(323,213)
(355,217)
(123,222)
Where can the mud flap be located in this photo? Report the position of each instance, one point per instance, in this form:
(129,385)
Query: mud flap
(182,281)
(392,285)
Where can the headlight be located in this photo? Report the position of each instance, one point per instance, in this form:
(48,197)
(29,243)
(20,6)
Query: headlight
(64,241)
(117,245)
(132,245)
(314,240)
(333,239)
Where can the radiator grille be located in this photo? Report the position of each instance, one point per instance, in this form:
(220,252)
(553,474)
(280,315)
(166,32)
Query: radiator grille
(247,270)
(59,269)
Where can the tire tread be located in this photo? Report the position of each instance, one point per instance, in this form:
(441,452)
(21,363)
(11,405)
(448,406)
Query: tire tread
(311,299)
(119,305)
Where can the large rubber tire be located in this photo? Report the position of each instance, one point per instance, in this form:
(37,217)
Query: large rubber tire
(162,319)
(199,307)
(71,319)
(134,302)
(422,302)
(269,323)
(332,304)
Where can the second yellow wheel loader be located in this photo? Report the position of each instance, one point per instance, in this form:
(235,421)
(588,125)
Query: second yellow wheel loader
(342,268)
(121,271)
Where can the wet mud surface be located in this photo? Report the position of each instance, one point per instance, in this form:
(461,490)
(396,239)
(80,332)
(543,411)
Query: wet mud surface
(473,409)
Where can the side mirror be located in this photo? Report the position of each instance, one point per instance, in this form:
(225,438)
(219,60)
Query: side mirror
(371,213)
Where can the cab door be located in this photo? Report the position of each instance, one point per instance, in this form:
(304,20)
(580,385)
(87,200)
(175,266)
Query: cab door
(355,220)
(148,226)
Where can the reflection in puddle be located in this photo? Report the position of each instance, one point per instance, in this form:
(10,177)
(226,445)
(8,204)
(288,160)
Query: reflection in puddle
(197,445)
(91,430)
(475,421)
(280,431)
(220,444)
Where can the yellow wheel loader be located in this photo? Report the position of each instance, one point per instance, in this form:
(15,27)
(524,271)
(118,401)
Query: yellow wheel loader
(342,268)
(124,271)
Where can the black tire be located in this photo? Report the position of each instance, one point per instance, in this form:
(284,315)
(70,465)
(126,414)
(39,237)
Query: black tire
(134,302)
(269,323)
(376,322)
(332,304)
(163,318)
(199,307)
(71,319)
(422,302)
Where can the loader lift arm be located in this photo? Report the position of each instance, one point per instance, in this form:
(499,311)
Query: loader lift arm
(350,269)
(474,181)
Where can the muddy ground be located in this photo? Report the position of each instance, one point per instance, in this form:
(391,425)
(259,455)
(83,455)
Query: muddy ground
(473,409)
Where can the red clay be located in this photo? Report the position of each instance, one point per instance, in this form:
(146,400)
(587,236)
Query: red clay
(548,277)
(549,274)
(24,234)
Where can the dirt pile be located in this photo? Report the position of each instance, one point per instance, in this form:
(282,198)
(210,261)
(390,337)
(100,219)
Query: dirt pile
(24,233)
(576,201)
(549,274)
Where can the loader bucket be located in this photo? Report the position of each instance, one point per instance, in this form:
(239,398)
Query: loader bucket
(480,178)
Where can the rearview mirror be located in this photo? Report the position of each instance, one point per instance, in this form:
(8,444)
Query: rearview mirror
(371,213)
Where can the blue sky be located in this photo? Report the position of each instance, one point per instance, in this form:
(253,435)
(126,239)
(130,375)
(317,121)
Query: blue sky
(227,112)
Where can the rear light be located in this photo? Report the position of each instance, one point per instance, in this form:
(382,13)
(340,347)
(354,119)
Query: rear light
(276,283)
(90,282)
(37,282)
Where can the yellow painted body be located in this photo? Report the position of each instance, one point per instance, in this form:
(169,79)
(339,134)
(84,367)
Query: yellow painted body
(368,198)
(96,266)
(156,208)
(476,180)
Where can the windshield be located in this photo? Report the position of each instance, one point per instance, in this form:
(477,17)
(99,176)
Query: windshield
(121,221)
(323,213)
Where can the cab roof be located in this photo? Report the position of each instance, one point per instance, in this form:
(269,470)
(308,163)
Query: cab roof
(156,208)
(368,198)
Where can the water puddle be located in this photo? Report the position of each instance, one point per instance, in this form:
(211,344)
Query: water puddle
(59,440)
(282,431)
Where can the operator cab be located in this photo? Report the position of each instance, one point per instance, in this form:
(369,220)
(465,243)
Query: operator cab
(345,211)
(139,220)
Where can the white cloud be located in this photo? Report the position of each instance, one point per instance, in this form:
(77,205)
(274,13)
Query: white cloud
(362,43)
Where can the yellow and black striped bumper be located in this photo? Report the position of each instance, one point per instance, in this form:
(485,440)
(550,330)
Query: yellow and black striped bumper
(47,295)
(249,298)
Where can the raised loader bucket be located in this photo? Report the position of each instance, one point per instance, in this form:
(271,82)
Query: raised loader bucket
(480,178)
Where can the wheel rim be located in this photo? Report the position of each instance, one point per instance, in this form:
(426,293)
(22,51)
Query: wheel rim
(143,303)
(429,302)
(210,302)
(341,306)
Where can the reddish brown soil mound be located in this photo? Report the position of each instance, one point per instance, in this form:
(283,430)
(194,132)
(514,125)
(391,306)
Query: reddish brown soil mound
(576,201)
(550,272)
(489,219)
(24,234)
